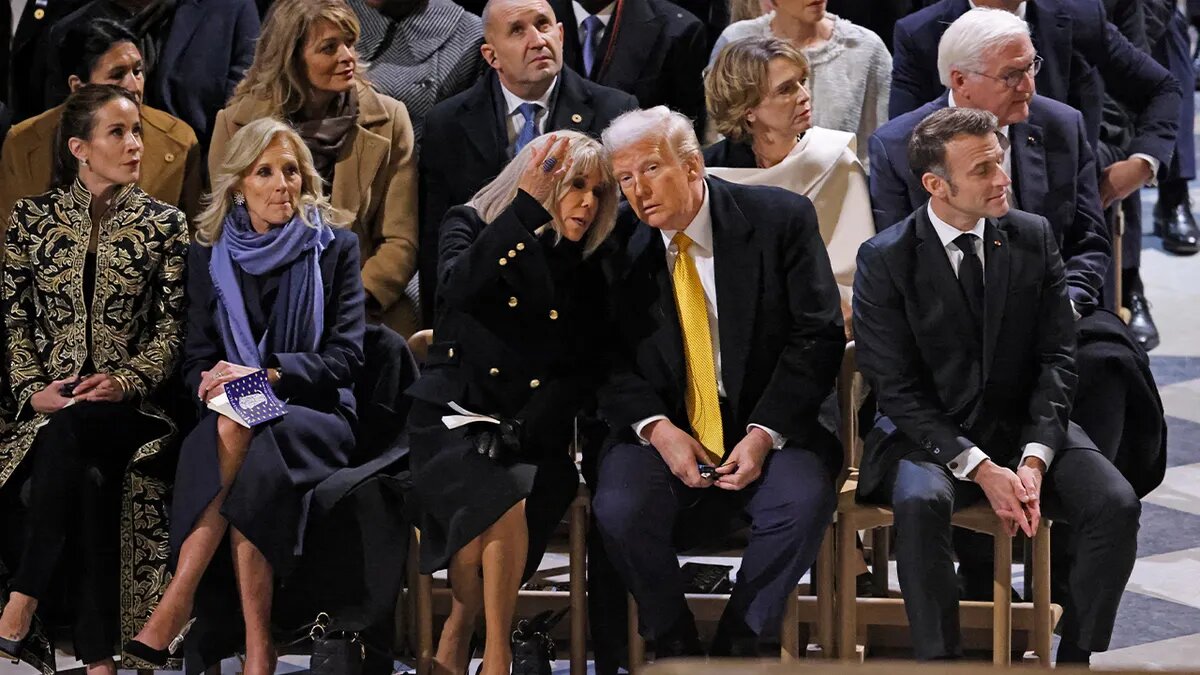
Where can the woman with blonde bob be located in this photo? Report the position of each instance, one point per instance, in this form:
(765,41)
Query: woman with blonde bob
(306,72)
(758,100)
(521,310)
(273,287)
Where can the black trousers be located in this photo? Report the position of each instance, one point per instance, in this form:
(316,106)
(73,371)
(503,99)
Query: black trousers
(78,467)
(1082,487)
(639,503)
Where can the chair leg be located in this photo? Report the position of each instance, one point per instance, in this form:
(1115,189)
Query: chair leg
(578,611)
(1002,602)
(823,582)
(637,646)
(847,637)
(789,632)
(1041,593)
(424,624)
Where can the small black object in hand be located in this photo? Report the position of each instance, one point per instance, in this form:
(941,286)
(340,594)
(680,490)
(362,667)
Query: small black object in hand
(67,390)
(708,471)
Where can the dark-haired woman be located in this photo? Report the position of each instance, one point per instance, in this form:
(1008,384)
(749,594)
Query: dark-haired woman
(105,52)
(93,310)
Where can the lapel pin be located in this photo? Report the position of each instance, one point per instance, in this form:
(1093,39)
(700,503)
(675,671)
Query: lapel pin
(576,118)
(39,13)
(996,242)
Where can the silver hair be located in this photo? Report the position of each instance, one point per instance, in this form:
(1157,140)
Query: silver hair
(657,122)
(971,39)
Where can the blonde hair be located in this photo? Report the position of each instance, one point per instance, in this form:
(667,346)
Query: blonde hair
(277,74)
(244,149)
(659,122)
(743,10)
(739,80)
(586,155)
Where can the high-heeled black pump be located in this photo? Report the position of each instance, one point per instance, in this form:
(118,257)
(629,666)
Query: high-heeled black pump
(11,649)
(157,657)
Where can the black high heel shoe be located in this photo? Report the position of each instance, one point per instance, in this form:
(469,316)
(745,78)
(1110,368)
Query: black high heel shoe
(157,657)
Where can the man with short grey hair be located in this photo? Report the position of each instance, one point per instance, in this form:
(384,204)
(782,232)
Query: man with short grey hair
(965,332)
(728,339)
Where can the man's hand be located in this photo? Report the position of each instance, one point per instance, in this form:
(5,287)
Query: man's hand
(1007,495)
(1122,178)
(1030,473)
(745,463)
(682,453)
(99,387)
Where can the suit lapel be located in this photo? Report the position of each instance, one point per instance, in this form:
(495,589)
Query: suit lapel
(648,258)
(633,24)
(572,52)
(571,105)
(996,256)
(1050,31)
(356,170)
(935,275)
(1029,164)
(738,263)
(480,124)
(187,20)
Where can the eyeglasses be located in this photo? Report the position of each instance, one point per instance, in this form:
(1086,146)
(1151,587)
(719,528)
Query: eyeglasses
(1013,79)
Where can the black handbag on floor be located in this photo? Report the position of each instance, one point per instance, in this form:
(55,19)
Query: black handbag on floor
(334,652)
(532,647)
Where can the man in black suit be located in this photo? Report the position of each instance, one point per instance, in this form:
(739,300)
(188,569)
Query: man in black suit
(22,72)
(728,339)
(965,332)
(1053,168)
(472,135)
(653,49)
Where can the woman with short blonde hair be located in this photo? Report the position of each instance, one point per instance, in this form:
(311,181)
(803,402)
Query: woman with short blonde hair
(518,336)
(273,291)
(758,97)
(306,72)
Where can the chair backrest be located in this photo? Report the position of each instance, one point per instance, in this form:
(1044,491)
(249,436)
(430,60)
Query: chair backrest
(849,395)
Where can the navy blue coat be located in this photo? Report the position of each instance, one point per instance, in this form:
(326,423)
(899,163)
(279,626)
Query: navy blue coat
(1054,176)
(1077,45)
(205,55)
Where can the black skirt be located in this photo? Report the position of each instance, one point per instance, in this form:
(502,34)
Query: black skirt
(457,493)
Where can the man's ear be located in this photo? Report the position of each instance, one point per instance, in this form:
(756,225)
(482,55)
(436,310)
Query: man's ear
(934,184)
(74,83)
(489,54)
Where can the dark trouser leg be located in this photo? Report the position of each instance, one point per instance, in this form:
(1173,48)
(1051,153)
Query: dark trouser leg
(607,616)
(97,603)
(790,507)
(636,503)
(1085,489)
(924,495)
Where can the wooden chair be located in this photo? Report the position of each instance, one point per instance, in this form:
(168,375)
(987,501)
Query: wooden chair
(852,517)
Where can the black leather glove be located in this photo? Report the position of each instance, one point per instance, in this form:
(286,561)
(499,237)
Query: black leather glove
(500,442)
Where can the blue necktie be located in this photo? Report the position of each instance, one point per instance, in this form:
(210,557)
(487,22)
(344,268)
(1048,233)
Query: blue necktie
(528,132)
(592,28)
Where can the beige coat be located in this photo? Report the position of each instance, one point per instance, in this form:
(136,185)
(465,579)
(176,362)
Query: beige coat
(171,171)
(824,167)
(375,180)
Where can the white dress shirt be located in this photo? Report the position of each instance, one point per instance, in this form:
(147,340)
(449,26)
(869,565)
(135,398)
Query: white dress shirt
(18,8)
(701,252)
(605,15)
(516,120)
(966,461)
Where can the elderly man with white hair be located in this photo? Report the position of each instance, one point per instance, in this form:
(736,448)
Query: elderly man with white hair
(728,340)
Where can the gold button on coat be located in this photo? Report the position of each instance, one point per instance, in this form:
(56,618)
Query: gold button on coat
(576,118)
(503,261)
(169,157)
(534,384)
(450,352)
(512,253)
(521,246)
(512,302)
(494,372)
(553,314)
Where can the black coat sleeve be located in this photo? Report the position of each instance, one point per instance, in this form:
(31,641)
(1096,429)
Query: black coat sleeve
(908,75)
(1147,89)
(202,347)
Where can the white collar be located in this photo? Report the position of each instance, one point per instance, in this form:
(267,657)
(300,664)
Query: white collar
(948,233)
(512,101)
(700,229)
(1003,130)
(1020,7)
(605,15)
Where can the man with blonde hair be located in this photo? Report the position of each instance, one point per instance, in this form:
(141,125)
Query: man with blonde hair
(729,338)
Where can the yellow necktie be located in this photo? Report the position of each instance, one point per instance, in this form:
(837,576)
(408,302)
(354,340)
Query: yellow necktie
(703,406)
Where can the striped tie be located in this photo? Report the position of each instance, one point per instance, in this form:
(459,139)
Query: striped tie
(703,406)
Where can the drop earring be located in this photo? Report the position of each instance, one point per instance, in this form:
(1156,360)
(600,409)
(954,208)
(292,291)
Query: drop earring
(239,199)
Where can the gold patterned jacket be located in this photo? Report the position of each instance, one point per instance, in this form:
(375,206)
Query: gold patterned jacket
(136,326)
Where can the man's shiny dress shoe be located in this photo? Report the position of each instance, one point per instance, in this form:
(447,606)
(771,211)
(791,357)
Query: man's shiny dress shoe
(1141,324)
(1174,222)
(680,641)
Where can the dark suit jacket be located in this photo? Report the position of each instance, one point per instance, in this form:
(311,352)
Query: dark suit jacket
(779,314)
(472,147)
(878,16)
(205,55)
(1054,175)
(653,49)
(941,386)
(22,69)
(1076,44)
(519,339)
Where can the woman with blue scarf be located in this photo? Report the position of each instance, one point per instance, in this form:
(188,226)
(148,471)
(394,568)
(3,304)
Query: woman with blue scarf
(274,286)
